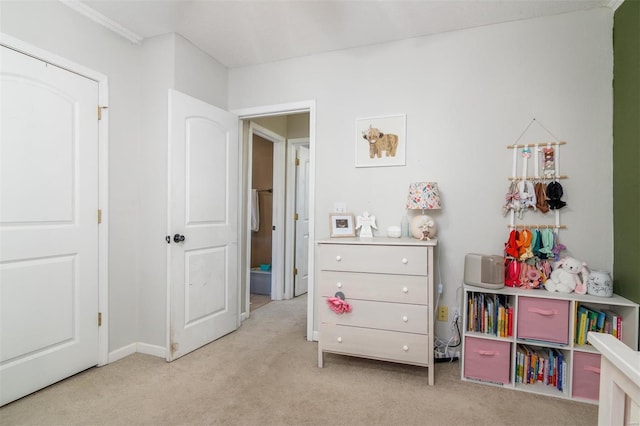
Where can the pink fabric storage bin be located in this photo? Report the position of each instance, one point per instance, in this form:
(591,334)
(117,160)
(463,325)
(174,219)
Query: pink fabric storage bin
(586,375)
(543,319)
(487,360)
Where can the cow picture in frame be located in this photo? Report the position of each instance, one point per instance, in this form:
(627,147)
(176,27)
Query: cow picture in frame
(381,141)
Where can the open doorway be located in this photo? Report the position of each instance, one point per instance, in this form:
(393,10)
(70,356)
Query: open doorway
(266,157)
(277,179)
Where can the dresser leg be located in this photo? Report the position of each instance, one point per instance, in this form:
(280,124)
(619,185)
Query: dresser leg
(320,357)
(431,374)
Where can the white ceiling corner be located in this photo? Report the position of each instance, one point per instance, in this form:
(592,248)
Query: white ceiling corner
(96,16)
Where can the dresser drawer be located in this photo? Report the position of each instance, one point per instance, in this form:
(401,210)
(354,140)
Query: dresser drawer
(380,315)
(586,375)
(390,288)
(488,360)
(378,344)
(543,319)
(373,258)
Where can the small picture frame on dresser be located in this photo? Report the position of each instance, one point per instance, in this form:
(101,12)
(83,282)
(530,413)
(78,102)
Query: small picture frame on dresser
(341,225)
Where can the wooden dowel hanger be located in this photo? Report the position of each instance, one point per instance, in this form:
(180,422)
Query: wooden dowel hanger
(538,178)
(537,226)
(540,145)
(266,190)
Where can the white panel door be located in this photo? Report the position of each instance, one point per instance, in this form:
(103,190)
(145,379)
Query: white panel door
(48,224)
(301,280)
(203,206)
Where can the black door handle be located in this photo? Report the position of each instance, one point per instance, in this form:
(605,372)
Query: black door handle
(178,238)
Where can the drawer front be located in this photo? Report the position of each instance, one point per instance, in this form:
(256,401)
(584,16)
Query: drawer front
(390,288)
(586,375)
(378,259)
(371,343)
(379,315)
(488,360)
(543,319)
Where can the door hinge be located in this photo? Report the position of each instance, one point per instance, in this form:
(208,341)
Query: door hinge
(99,216)
(100,108)
(295,271)
(295,216)
(99,319)
(297,161)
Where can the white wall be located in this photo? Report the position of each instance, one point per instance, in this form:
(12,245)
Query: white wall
(169,62)
(58,29)
(158,74)
(467,95)
(199,75)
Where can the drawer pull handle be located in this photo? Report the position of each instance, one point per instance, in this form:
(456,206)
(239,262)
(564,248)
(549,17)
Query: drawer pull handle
(339,285)
(405,348)
(338,258)
(339,339)
(405,260)
(487,353)
(405,319)
(592,369)
(405,290)
(544,312)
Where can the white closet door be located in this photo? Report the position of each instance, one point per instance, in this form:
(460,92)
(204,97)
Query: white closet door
(48,224)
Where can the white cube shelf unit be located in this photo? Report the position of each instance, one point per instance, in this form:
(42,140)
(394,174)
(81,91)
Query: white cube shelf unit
(542,322)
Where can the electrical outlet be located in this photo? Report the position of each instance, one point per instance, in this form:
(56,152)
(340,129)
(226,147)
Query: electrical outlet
(339,207)
(443,313)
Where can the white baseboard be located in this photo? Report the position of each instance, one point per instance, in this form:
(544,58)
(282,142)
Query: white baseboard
(143,348)
(147,349)
(122,352)
(316,336)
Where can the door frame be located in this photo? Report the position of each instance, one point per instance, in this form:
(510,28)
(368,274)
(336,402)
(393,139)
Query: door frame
(275,110)
(290,243)
(103,174)
(277,245)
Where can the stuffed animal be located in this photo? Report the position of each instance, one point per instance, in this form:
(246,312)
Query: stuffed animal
(565,277)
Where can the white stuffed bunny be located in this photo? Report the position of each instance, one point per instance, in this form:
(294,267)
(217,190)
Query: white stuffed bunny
(565,277)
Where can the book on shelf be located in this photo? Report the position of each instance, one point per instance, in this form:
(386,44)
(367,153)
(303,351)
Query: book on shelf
(593,319)
(598,320)
(581,325)
(613,322)
(541,365)
(560,369)
(489,314)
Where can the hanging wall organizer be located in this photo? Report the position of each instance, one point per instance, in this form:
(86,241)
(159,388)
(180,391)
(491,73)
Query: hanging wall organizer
(534,189)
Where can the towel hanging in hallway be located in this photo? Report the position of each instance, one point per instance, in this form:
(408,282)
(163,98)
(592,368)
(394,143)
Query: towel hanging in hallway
(255,211)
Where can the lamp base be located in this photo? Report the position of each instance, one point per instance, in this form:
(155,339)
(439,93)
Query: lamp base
(423,227)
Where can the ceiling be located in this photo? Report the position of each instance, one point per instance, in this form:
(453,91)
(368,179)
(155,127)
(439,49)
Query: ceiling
(239,33)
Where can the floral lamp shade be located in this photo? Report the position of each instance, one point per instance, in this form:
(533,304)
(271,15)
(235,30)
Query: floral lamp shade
(423,196)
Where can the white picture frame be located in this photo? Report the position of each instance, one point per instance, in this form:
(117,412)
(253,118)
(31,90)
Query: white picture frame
(342,225)
(381,141)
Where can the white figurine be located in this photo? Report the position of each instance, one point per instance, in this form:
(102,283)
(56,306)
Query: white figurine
(365,223)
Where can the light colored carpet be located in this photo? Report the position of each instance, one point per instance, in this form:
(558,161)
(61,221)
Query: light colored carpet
(266,374)
(258,300)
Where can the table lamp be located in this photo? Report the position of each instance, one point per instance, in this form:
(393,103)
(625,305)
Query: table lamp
(423,196)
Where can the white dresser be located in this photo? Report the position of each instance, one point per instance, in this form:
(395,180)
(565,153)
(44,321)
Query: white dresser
(389,284)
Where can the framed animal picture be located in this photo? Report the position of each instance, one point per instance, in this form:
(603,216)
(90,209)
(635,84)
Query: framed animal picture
(381,141)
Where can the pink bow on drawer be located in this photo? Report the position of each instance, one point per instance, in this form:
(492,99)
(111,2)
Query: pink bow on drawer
(338,305)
